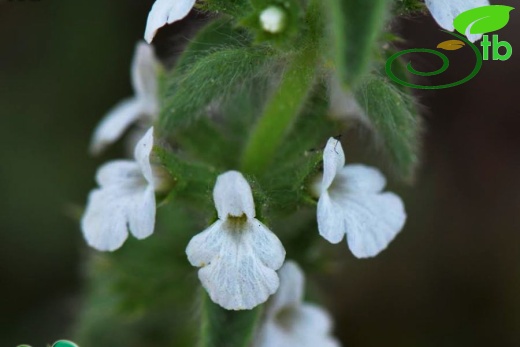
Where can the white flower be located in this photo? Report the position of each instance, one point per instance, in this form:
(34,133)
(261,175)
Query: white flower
(272,19)
(238,255)
(445,11)
(351,202)
(166,12)
(125,200)
(291,323)
(144,105)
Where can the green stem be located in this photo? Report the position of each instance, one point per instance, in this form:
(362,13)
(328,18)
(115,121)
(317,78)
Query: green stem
(280,112)
(223,328)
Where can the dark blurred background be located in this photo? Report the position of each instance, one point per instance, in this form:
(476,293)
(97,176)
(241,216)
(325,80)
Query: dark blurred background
(452,277)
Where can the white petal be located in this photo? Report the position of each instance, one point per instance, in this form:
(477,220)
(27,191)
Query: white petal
(233,269)
(233,196)
(271,334)
(331,224)
(104,222)
(166,12)
(313,320)
(141,213)
(144,77)
(238,283)
(445,11)
(357,178)
(473,37)
(142,152)
(312,326)
(134,135)
(333,161)
(288,321)
(115,123)
(120,173)
(205,246)
(290,293)
(115,207)
(266,245)
(371,221)
(305,326)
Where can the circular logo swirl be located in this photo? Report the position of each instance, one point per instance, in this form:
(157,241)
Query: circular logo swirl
(444,67)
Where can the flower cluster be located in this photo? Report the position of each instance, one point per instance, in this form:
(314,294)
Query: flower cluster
(240,260)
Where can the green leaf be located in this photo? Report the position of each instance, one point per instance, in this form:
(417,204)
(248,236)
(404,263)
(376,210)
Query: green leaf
(218,62)
(395,119)
(222,328)
(130,299)
(408,7)
(211,78)
(216,35)
(191,180)
(207,141)
(235,8)
(483,19)
(218,139)
(355,27)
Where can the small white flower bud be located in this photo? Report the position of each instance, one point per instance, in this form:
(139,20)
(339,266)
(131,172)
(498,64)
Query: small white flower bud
(273,19)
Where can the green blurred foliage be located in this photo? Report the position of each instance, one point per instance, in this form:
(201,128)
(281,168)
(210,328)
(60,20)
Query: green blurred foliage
(145,293)
(63,64)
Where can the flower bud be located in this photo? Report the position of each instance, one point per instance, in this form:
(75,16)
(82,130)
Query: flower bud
(273,19)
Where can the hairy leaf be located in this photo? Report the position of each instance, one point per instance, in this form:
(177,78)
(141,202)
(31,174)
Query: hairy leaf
(211,78)
(236,8)
(216,35)
(355,27)
(191,180)
(395,119)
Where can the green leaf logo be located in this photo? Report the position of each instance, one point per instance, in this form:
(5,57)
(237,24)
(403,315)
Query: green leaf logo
(60,343)
(482,20)
(64,343)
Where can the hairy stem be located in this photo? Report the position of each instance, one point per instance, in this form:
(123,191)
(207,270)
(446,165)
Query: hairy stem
(280,112)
